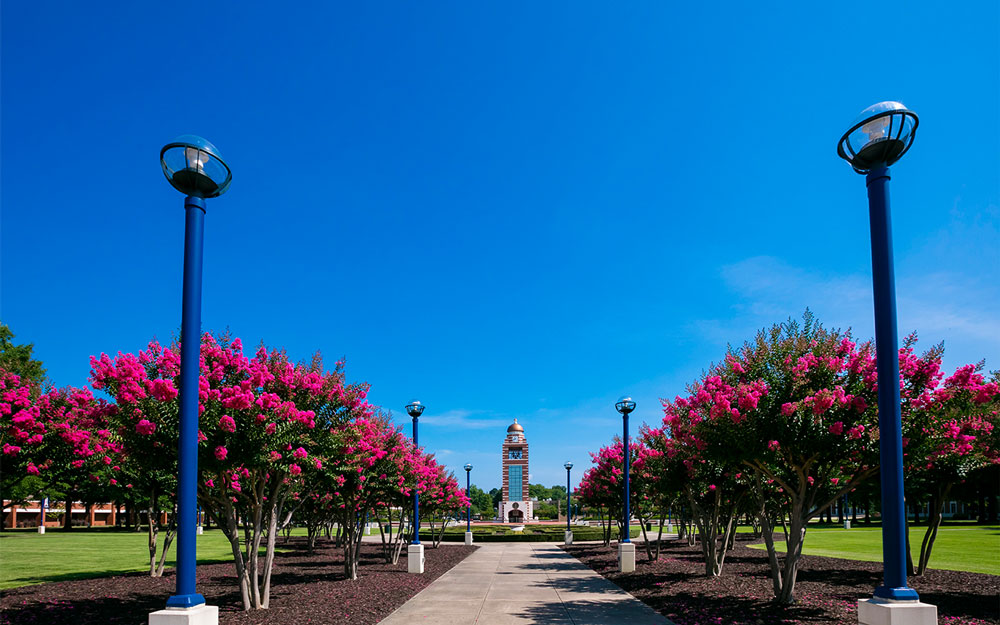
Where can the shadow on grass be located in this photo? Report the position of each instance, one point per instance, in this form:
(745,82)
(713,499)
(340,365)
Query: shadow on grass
(20,582)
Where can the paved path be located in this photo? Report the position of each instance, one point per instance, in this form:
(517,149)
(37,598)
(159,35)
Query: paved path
(508,583)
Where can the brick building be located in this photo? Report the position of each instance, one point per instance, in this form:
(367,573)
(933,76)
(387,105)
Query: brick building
(515,503)
(30,515)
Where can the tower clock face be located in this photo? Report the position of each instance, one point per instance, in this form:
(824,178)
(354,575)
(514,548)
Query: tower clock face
(515,454)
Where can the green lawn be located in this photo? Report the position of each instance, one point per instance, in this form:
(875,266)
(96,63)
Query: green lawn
(973,548)
(31,558)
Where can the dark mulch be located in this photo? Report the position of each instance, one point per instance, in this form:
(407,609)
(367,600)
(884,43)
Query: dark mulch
(827,589)
(305,589)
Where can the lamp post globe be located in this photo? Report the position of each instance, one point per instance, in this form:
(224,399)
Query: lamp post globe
(625,406)
(194,167)
(415,408)
(879,137)
(468,495)
(567,465)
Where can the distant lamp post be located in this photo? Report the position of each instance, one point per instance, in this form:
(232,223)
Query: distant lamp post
(415,552)
(468,510)
(41,519)
(626,549)
(879,137)
(569,533)
(194,167)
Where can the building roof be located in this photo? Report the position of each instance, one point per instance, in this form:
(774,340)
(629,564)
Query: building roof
(515,427)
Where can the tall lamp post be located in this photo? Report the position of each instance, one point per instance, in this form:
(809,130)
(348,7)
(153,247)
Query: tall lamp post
(194,167)
(468,510)
(569,533)
(415,552)
(626,548)
(878,138)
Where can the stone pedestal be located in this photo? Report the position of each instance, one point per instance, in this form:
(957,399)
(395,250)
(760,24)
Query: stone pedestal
(626,557)
(200,530)
(670,528)
(569,537)
(41,529)
(198,615)
(468,538)
(847,524)
(877,611)
(415,559)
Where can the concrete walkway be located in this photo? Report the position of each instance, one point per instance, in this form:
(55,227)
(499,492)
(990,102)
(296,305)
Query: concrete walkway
(508,583)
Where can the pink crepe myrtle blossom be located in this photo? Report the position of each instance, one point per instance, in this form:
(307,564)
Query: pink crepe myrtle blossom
(221,452)
(227,423)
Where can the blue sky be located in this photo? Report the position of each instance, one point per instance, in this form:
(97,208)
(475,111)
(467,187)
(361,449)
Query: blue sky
(506,211)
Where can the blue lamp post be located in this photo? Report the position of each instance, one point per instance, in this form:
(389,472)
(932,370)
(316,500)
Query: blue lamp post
(569,509)
(568,465)
(468,494)
(625,405)
(877,139)
(194,167)
(626,550)
(415,552)
(415,409)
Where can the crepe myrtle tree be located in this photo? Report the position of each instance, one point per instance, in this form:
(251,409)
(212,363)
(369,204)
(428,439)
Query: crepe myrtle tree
(21,434)
(601,485)
(441,497)
(812,437)
(366,462)
(256,418)
(714,485)
(949,431)
(60,441)
(810,432)
(146,421)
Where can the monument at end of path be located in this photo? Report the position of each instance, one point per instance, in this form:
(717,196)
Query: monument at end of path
(515,503)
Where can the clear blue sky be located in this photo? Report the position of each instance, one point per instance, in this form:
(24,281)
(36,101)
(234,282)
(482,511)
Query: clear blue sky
(506,211)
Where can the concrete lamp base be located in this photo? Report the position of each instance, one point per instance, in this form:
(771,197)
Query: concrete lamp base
(200,530)
(41,529)
(626,557)
(877,611)
(569,537)
(198,615)
(468,538)
(415,559)
(847,524)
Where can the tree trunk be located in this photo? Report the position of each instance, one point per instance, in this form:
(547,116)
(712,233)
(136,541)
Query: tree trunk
(171,531)
(793,552)
(934,522)
(153,530)
(231,531)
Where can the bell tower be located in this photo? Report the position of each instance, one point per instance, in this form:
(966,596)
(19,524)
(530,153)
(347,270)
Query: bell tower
(515,504)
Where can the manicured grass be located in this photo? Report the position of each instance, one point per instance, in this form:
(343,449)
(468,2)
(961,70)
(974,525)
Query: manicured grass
(31,558)
(973,548)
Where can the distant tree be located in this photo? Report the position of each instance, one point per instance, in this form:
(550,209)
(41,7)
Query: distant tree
(18,359)
(482,503)
(496,494)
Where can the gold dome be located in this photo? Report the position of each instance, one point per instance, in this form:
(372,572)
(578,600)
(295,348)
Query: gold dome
(515,427)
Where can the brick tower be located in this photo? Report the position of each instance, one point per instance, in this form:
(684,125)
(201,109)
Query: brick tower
(515,504)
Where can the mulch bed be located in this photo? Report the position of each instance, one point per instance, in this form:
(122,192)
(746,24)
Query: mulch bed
(827,589)
(305,589)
